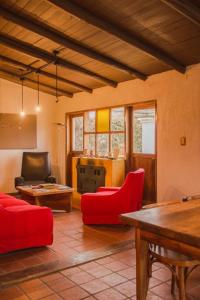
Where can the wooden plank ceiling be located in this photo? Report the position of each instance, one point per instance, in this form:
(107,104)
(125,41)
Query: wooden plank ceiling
(95,43)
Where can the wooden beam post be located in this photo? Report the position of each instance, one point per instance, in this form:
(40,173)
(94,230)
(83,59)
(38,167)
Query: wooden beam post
(18,64)
(49,87)
(76,10)
(186,8)
(44,55)
(52,34)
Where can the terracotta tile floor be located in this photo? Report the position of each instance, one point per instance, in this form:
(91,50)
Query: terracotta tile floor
(97,280)
(109,278)
(73,243)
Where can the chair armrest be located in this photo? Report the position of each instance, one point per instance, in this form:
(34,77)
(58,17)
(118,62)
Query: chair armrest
(51,179)
(108,189)
(19,181)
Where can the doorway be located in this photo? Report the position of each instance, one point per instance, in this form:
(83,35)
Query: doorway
(143,146)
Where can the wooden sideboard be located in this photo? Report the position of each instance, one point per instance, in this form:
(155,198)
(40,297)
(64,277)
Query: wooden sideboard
(115,172)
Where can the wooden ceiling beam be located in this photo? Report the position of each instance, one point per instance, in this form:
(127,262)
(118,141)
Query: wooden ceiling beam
(76,10)
(44,55)
(52,34)
(49,87)
(186,8)
(23,66)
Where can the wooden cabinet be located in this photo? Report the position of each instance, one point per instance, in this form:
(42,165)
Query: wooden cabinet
(115,173)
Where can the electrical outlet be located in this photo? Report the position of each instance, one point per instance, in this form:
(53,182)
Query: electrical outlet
(183,140)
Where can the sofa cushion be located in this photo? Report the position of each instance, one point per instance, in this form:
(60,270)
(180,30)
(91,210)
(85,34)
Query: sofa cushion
(3,195)
(28,220)
(7,200)
(25,226)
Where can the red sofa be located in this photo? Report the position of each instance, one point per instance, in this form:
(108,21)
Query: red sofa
(23,225)
(105,206)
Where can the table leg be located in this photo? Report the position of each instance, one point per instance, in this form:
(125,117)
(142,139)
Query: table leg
(181,283)
(142,278)
(69,203)
(37,201)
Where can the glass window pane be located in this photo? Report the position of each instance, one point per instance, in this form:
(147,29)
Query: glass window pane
(144,131)
(102,144)
(77,133)
(117,119)
(90,121)
(90,143)
(103,119)
(118,143)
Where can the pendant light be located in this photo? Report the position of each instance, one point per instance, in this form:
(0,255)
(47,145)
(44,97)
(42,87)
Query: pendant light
(22,113)
(38,108)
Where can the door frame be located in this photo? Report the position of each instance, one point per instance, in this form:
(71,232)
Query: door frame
(138,106)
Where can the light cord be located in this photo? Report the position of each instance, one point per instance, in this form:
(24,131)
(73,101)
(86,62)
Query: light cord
(38,88)
(57,83)
(22,94)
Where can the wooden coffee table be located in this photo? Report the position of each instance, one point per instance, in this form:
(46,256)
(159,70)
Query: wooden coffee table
(56,197)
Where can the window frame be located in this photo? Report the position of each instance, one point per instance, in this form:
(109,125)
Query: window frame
(109,132)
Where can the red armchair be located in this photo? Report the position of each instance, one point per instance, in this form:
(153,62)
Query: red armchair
(105,206)
(23,225)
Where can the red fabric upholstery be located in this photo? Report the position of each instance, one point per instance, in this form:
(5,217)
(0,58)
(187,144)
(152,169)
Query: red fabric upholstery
(105,189)
(105,206)
(23,225)
(7,201)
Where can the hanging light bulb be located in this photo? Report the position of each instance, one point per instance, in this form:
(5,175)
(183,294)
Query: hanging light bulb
(22,113)
(38,108)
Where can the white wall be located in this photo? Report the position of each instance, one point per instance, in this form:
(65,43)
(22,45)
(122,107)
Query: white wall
(178,107)
(10,102)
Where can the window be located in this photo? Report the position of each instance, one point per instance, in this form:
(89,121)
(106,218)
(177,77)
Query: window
(89,143)
(103,120)
(77,133)
(90,121)
(103,144)
(117,119)
(103,132)
(118,141)
(144,131)
(118,130)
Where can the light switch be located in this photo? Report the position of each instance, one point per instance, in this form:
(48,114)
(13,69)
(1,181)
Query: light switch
(183,140)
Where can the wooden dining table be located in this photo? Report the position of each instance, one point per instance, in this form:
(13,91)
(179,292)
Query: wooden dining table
(175,226)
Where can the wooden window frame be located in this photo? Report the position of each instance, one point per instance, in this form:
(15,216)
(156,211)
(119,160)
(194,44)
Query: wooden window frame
(109,132)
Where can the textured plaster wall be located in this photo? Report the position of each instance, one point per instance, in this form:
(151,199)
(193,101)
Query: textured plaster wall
(178,108)
(178,114)
(10,102)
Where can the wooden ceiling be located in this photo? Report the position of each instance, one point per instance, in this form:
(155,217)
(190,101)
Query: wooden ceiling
(95,43)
